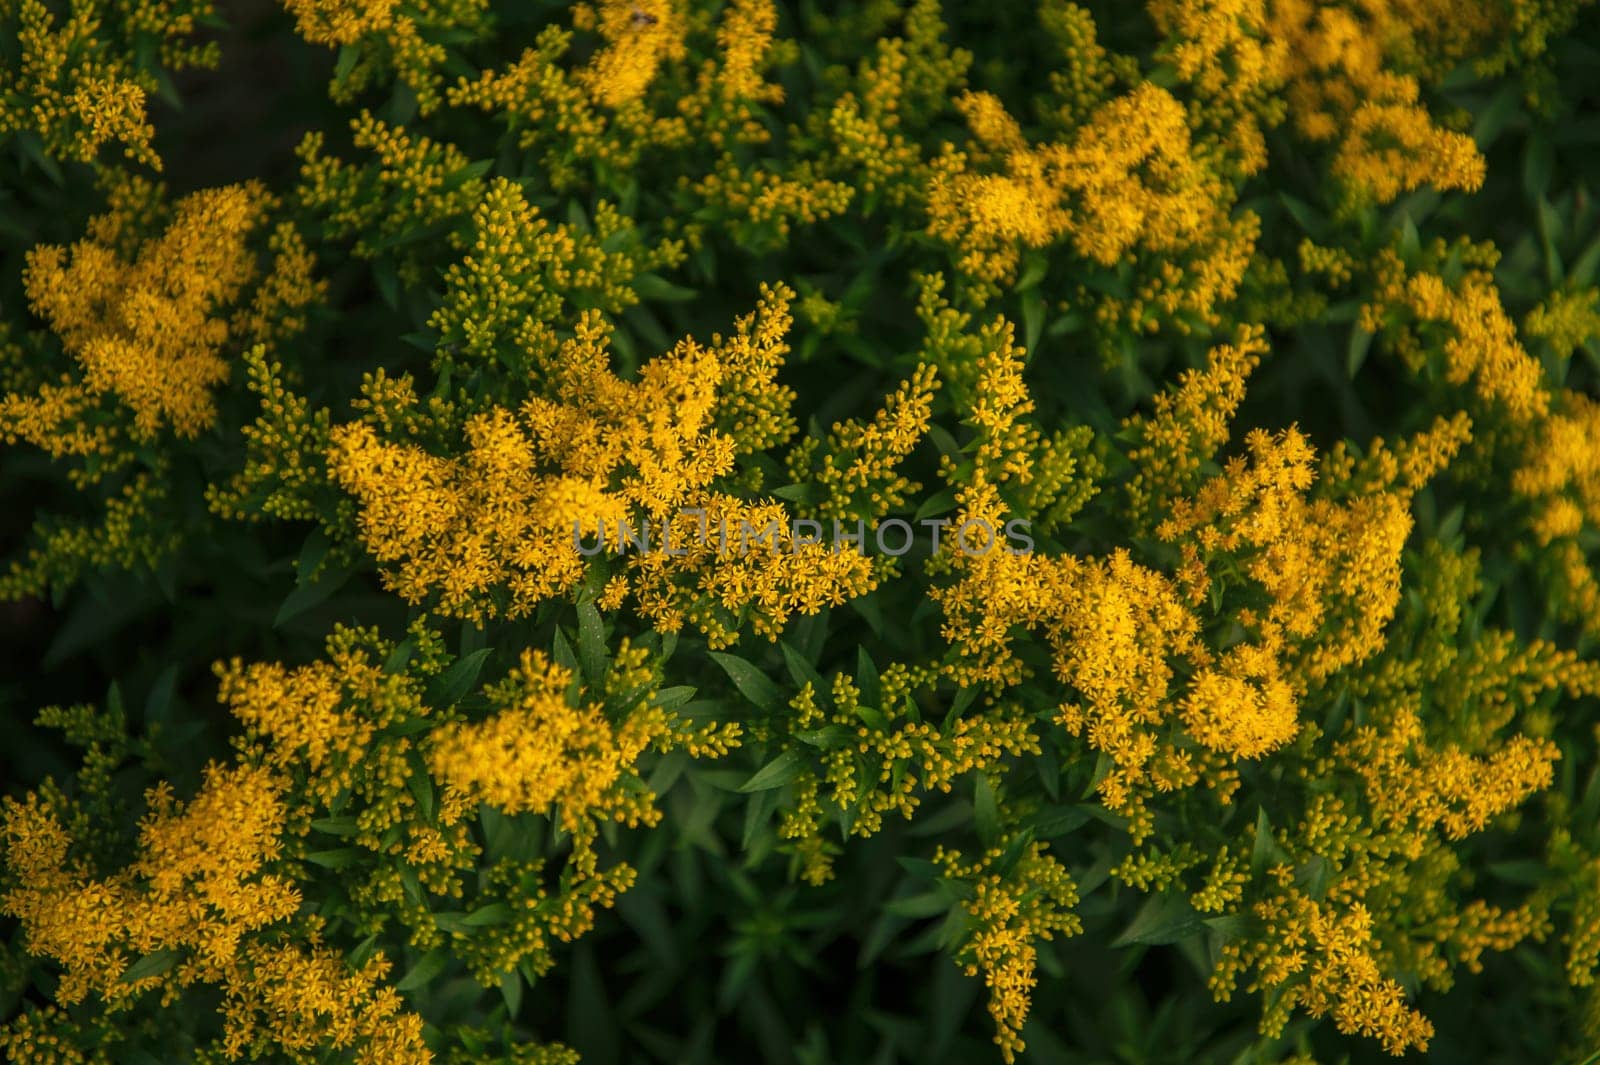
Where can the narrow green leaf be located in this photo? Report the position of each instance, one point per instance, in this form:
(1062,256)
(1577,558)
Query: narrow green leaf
(153,964)
(561,651)
(795,493)
(776,773)
(675,697)
(311,594)
(918,907)
(1033,316)
(158,704)
(1265,851)
(428,966)
(1493,119)
(420,784)
(867,678)
(756,815)
(451,686)
(828,738)
(339,858)
(1356,353)
(658,288)
(751,682)
(801,671)
(1165,918)
(1538,161)
(941,502)
(986,814)
(492,914)
(511,991)
(592,643)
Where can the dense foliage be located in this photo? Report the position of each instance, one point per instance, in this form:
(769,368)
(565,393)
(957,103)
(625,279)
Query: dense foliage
(1272,326)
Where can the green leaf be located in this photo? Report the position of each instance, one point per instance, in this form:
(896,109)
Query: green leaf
(1525,871)
(399,658)
(751,682)
(1055,821)
(986,813)
(1265,851)
(511,990)
(942,440)
(867,678)
(492,914)
(93,621)
(756,815)
(312,554)
(311,594)
(1550,229)
(1165,918)
(1228,926)
(348,56)
(1538,160)
(386,276)
(776,773)
(158,704)
(656,287)
(469,173)
(1585,266)
(798,493)
(500,833)
(420,784)
(428,966)
(941,502)
(1015,849)
(1494,118)
(339,858)
(1309,220)
(955,930)
(1033,315)
(867,607)
(670,699)
(1410,239)
(1450,527)
(153,964)
(918,907)
(452,921)
(592,643)
(561,651)
(921,868)
(32,147)
(363,951)
(828,738)
(801,671)
(591,1023)
(1033,271)
(1356,352)
(1314,875)
(451,686)
(873,717)
(1049,773)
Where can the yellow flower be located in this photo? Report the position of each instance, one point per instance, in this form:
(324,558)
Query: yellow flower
(150,331)
(640,36)
(1245,708)
(197,886)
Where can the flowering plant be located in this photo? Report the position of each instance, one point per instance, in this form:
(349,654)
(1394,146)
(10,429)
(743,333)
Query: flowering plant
(382,686)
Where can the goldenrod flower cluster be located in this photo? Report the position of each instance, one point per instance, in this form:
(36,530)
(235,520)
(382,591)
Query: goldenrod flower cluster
(77,79)
(383,39)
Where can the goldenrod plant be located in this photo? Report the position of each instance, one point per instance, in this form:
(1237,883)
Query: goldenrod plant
(706,531)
